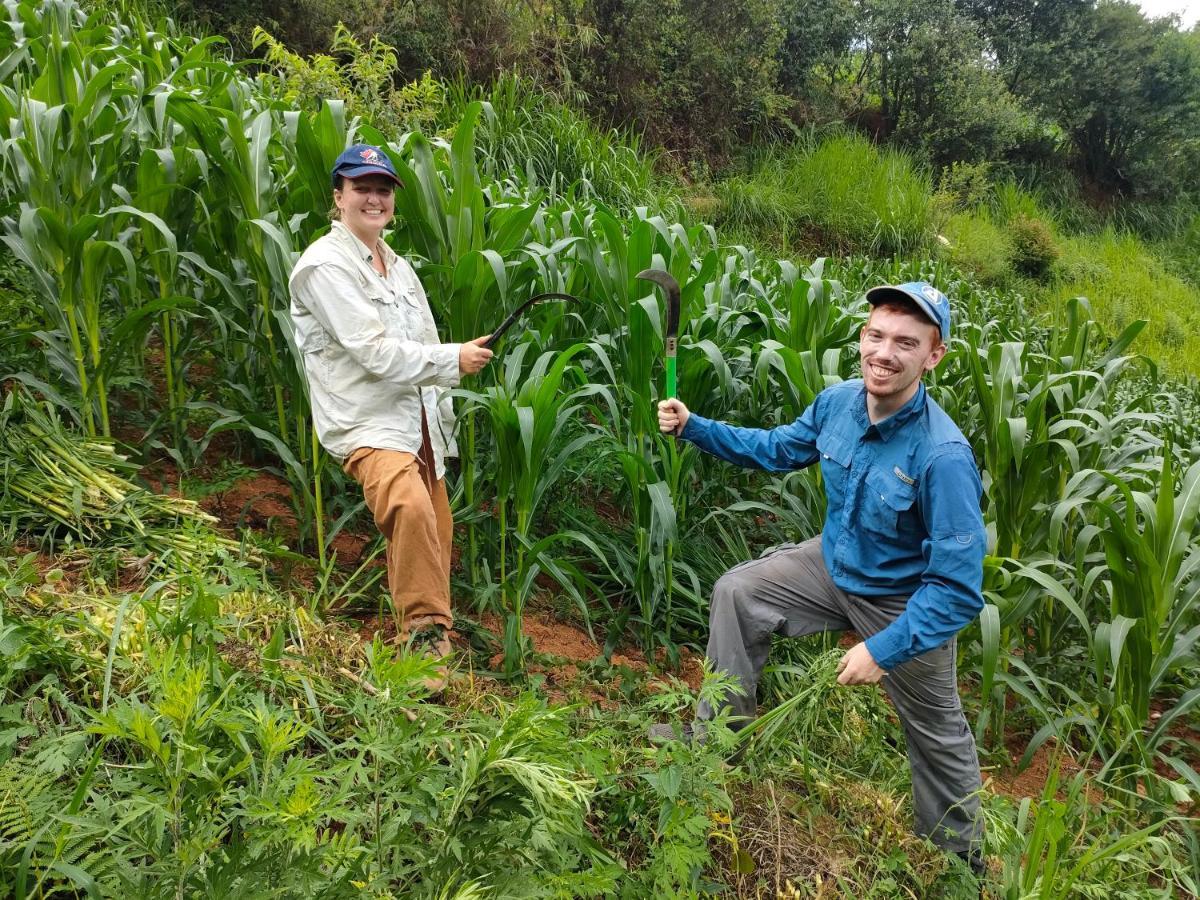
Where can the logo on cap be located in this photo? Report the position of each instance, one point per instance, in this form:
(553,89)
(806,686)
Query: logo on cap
(932,294)
(369,155)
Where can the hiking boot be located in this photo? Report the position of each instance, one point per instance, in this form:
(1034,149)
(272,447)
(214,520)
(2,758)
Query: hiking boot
(693,735)
(688,734)
(974,862)
(431,641)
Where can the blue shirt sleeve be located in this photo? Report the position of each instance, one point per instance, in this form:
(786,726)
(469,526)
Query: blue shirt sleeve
(951,591)
(781,449)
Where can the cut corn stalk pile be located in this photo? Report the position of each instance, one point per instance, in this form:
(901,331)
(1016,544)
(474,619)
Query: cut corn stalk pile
(54,478)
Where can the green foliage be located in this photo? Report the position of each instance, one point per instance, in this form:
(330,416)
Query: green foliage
(531,133)
(222,741)
(1126,281)
(691,74)
(358,75)
(207,776)
(1034,250)
(936,93)
(979,248)
(966,184)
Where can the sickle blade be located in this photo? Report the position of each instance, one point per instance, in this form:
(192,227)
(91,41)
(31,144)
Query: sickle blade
(671,333)
(517,313)
(671,288)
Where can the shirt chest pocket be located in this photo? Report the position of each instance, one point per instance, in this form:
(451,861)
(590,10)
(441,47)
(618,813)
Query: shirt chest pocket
(392,313)
(420,319)
(888,504)
(836,456)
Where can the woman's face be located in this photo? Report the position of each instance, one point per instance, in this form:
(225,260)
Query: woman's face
(366,204)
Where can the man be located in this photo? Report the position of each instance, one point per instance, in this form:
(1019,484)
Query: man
(899,561)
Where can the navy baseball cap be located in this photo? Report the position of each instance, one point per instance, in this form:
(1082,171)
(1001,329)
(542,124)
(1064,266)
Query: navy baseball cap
(929,300)
(363,159)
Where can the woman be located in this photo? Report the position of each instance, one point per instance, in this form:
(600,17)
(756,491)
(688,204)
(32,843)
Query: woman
(378,380)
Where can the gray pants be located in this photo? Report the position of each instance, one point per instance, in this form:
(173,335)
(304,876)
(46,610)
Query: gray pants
(788,591)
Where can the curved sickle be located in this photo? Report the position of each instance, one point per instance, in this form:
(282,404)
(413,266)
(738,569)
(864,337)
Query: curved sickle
(516,313)
(670,286)
(671,333)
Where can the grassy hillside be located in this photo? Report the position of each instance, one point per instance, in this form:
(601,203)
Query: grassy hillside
(838,194)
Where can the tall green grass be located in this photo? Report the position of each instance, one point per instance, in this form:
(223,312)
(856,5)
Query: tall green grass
(833,194)
(1051,248)
(531,135)
(1126,280)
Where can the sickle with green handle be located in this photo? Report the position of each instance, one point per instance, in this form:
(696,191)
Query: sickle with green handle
(516,313)
(670,336)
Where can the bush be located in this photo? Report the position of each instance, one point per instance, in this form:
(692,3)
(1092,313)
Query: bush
(1034,247)
(360,75)
(978,247)
(694,75)
(965,185)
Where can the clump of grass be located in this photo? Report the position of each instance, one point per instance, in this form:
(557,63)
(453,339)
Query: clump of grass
(557,148)
(1010,201)
(837,193)
(811,715)
(56,480)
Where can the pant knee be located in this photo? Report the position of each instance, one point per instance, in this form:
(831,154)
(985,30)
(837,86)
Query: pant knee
(729,595)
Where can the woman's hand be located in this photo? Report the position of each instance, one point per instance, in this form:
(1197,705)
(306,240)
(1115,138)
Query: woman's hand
(473,356)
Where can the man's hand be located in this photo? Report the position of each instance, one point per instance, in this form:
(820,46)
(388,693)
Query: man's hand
(672,416)
(857,666)
(473,356)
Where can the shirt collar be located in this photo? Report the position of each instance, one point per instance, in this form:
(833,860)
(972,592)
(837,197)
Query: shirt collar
(364,252)
(893,423)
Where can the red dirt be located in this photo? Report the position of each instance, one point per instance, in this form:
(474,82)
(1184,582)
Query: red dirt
(551,637)
(1030,781)
(261,501)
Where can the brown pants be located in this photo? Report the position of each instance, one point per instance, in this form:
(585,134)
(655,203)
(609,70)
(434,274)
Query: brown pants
(412,510)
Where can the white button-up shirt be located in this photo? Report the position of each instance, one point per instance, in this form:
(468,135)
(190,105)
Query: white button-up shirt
(371,351)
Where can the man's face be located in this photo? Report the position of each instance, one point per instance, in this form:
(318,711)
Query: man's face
(367,204)
(896,349)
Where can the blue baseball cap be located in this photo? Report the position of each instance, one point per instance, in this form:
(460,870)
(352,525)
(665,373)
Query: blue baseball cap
(929,300)
(363,159)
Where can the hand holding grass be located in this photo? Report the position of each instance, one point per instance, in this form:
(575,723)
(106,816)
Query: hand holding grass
(857,666)
(473,356)
(672,416)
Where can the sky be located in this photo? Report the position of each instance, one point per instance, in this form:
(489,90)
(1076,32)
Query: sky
(1189,10)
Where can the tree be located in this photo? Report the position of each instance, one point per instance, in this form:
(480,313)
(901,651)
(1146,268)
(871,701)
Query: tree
(691,72)
(1131,104)
(1030,39)
(936,88)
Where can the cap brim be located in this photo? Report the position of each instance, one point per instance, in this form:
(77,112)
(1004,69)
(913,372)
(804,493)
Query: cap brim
(882,294)
(360,171)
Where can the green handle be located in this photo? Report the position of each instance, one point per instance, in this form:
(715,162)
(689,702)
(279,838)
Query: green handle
(670,377)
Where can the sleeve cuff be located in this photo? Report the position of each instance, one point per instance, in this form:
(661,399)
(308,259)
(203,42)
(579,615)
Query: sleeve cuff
(694,428)
(447,364)
(886,647)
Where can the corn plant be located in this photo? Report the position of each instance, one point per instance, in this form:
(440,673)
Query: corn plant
(530,413)
(1151,558)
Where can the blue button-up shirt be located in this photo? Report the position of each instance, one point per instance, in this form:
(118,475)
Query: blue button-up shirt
(902,506)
